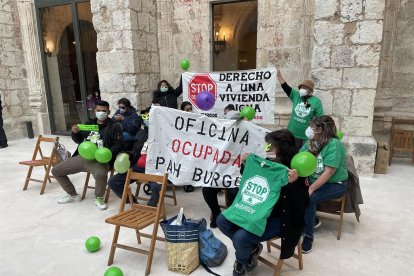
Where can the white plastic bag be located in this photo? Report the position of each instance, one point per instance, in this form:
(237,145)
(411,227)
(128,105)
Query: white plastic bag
(179,219)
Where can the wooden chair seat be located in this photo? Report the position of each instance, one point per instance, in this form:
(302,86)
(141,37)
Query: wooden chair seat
(39,160)
(135,218)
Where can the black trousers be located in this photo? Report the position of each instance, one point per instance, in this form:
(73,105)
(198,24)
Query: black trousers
(3,138)
(210,196)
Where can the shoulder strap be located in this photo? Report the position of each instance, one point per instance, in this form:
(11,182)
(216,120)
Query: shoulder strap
(208,269)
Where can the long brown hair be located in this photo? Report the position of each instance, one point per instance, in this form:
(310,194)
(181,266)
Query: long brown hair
(328,129)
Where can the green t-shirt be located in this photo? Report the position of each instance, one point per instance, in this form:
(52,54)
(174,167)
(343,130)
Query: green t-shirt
(332,155)
(259,191)
(301,116)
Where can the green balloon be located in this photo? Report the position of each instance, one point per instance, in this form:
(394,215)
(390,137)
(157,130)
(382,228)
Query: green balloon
(339,134)
(185,64)
(114,271)
(87,150)
(305,162)
(248,112)
(93,244)
(122,163)
(103,155)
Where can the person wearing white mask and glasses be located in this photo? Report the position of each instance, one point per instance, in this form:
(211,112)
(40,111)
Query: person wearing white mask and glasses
(166,95)
(305,106)
(110,133)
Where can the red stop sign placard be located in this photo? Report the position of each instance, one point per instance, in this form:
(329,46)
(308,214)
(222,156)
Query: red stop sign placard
(199,83)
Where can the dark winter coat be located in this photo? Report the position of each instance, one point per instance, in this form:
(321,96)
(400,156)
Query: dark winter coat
(169,98)
(111,134)
(130,123)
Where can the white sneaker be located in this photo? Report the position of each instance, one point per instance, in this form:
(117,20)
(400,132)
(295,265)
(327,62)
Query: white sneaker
(100,202)
(69,199)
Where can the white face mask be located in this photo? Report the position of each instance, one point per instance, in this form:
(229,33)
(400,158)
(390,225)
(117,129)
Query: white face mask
(163,89)
(303,92)
(101,115)
(309,133)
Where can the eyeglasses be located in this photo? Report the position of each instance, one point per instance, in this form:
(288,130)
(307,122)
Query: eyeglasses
(122,107)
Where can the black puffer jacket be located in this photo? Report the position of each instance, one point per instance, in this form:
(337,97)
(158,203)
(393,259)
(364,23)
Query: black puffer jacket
(169,98)
(111,134)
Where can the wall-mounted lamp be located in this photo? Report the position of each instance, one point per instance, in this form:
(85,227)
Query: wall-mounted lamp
(219,44)
(48,52)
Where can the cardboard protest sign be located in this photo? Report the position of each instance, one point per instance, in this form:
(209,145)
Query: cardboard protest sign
(255,88)
(88,127)
(197,150)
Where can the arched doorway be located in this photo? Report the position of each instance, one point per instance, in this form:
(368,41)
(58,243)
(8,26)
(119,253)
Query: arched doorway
(69,60)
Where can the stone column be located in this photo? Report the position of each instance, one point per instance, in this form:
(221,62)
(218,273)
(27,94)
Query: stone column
(32,60)
(128,57)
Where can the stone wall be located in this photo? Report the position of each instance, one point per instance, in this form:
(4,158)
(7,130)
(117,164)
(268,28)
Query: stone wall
(13,83)
(395,97)
(335,42)
(128,57)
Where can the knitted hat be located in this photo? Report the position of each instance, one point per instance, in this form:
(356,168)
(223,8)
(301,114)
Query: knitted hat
(308,84)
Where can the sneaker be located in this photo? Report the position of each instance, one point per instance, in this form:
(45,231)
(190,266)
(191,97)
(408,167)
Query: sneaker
(317,223)
(238,269)
(307,245)
(69,199)
(251,266)
(100,202)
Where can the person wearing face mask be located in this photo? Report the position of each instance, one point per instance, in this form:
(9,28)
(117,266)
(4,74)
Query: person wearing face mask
(167,96)
(127,116)
(330,180)
(111,135)
(286,218)
(305,106)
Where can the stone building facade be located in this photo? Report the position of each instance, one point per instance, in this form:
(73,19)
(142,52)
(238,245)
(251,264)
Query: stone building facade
(357,52)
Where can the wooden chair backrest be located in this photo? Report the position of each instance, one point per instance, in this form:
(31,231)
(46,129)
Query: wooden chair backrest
(38,147)
(142,177)
(402,139)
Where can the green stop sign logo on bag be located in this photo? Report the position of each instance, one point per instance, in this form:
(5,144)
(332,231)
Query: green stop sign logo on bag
(255,191)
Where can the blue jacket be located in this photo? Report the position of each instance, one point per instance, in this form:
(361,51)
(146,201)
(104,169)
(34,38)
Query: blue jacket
(131,122)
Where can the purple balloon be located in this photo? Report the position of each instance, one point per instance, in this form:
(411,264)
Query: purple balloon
(205,100)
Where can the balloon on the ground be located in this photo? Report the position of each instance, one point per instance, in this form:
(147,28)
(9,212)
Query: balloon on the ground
(305,162)
(248,112)
(103,155)
(122,163)
(185,64)
(205,100)
(87,150)
(114,271)
(93,244)
(339,134)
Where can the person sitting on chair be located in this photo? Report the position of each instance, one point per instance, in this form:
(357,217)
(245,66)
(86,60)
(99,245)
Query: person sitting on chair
(111,135)
(287,217)
(127,116)
(330,180)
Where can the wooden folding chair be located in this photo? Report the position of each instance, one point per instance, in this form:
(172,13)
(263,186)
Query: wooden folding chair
(86,186)
(169,185)
(39,160)
(402,137)
(279,264)
(340,212)
(139,217)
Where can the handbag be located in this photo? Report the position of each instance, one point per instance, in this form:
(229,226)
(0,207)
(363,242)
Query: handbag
(181,237)
(61,152)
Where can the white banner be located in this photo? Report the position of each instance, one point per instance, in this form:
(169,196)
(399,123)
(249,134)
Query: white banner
(255,88)
(200,151)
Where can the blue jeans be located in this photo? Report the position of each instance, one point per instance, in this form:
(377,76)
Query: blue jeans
(128,137)
(117,182)
(327,191)
(245,242)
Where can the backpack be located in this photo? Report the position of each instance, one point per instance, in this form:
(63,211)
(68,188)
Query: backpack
(212,250)
(61,152)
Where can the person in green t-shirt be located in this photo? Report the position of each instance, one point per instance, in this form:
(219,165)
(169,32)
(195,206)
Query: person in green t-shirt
(305,106)
(286,215)
(330,180)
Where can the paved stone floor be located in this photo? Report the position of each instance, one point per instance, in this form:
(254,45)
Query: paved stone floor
(40,237)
